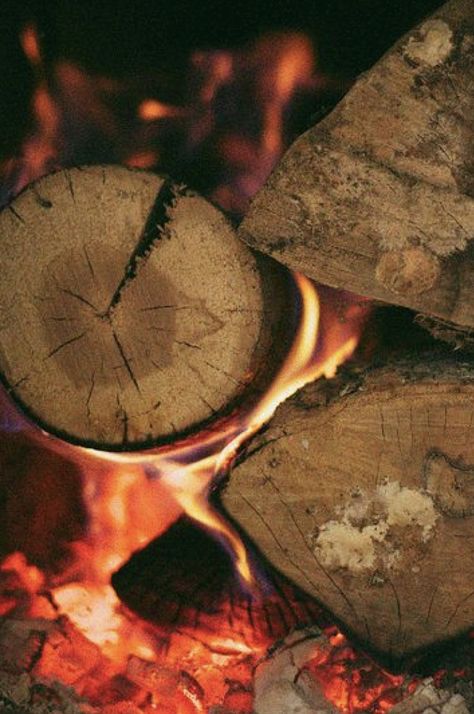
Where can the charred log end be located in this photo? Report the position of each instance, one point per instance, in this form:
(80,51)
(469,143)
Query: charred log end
(185,579)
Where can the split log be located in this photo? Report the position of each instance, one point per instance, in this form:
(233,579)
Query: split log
(378,198)
(130,312)
(362,492)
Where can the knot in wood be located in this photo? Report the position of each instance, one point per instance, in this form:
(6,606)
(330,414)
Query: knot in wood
(451,484)
(410,271)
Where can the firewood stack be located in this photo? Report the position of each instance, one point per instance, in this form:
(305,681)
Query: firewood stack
(132,313)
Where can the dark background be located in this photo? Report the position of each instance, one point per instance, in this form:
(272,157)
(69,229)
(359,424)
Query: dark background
(127,37)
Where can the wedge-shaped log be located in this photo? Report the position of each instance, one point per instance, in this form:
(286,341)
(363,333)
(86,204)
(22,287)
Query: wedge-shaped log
(378,197)
(129,311)
(362,492)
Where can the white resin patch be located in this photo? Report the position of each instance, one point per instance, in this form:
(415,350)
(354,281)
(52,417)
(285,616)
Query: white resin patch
(360,539)
(434,44)
(408,507)
(342,545)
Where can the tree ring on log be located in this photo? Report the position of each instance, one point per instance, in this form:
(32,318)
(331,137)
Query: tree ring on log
(129,311)
(362,491)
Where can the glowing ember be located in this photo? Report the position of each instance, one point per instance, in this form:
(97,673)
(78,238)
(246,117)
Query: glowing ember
(351,682)
(152,110)
(140,494)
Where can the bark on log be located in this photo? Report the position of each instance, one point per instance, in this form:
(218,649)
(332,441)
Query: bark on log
(362,492)
(129,310)
(378,198)
(461,338)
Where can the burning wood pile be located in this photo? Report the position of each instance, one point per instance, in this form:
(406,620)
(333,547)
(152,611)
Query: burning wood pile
(205,471)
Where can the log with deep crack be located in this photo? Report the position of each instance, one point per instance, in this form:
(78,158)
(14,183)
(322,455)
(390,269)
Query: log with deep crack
(129,311)
(362,492)
(378,197)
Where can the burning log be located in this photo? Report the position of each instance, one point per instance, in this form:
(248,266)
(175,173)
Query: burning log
(362,492)
(378,197)
(130,311)
(316,672)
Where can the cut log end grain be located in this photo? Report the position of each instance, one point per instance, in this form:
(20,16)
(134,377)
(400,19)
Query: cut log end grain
(129,310)
(362,492)
(379,197)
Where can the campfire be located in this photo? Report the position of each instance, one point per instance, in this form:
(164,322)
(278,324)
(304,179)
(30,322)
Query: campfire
(226,488)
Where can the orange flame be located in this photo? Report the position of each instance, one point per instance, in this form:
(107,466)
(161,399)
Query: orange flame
(153,110)
(132,498)
(30,43)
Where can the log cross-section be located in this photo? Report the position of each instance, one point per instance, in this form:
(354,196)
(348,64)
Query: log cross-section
(362,492)
(129,311)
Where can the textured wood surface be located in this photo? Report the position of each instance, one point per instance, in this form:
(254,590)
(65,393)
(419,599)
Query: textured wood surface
(378,197)
(129,310)
(362,492)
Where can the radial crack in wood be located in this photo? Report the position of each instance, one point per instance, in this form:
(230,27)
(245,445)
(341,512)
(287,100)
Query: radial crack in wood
(362,492)
(130,312)
(379,197)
